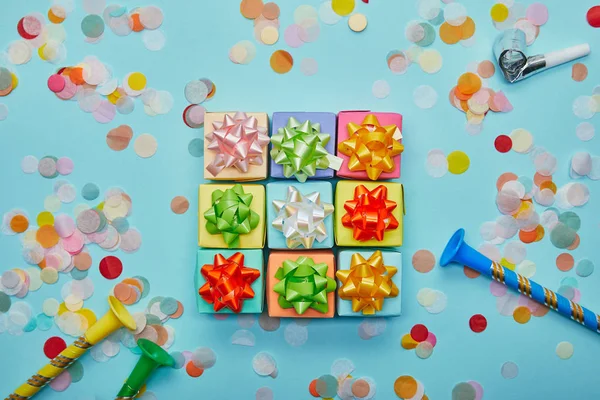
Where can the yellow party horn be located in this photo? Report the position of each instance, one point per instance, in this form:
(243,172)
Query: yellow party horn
(115,318)
(153,356)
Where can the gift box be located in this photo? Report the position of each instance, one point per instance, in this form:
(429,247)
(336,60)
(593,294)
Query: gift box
(300,216)
(368,214)
(370,144)
(369,283)
(236,146)
(301,284)
(229,281)
(231,216)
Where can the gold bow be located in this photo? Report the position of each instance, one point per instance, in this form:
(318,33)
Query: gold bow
(367,283)
(371,147)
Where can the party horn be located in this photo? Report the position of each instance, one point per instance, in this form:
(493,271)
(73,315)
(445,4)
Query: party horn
(510,53)
(153,356)
(459,252)
(115,318)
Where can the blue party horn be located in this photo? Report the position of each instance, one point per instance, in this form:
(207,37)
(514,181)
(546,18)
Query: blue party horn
(457,251)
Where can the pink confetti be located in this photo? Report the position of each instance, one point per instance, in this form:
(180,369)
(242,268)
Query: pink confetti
(56,83)
(61,382)
(537,14)
(431,339)
(292,36)
(105,113)
(64,165)
(497,289)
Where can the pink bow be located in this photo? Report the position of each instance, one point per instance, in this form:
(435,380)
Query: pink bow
(238,141)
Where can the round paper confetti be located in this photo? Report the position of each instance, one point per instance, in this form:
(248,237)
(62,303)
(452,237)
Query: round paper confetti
(463,391)
(326,386)
(509,370)
(179,205)
(478,323)
(424,350)
(522,140)
(430,61)
(281,61)
(593,16)
(425,96)
(458,162)
(193,370)
(264,393)
(251,9)
(537,13)
(565,262)
(264,364)
(309,66)
(564,350)
(343,7)
(499,12)
(585,131)
(584,268)
(522,315)
(92,26)
(419,332)
(54,346)
(111,267)
(405,387)
(357,22)
(423,261)
(381,89)
(145,145)
(503,143)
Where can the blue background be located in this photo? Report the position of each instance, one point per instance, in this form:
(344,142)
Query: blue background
(200,34)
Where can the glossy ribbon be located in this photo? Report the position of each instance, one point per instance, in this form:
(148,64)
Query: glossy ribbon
(367,283)
(369,214)
(303,285)
(301,218)
(228,282)
(371,147)
(230,215)
(238,141)
(300,149)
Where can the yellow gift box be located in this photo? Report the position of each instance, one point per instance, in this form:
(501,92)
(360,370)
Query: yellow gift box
(255,171)
(345,191)
(255,239)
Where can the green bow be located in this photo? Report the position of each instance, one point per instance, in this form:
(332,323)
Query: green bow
(303,285)
(230,215)
(300,149)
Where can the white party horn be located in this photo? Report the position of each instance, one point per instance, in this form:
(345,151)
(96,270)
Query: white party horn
(510,52)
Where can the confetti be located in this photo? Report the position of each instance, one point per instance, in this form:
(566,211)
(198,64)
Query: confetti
(381,89)
(425,96)
(111,267)
(436,163)
(522,315)
(309,66)
(458,162)
(179,205)
(478,323)
(281,61)
(564,350)
(509,370)
(463,391)
(423,261)
(264,393)
(343,7)
(503,143)
(593,16)
(357,22)
(579,72)
(54,346)
(267,323)
(145,145)
(264,364)
(295,335)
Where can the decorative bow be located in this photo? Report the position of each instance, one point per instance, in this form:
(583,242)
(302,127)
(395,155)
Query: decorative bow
(300,218)
(230,215)
(367,283)
(370,213)
(228,282)
(303,285)
(300,149)
(371,147)
(238,141)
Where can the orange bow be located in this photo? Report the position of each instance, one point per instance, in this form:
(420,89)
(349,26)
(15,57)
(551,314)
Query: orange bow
(371,147)
(370,213)
(367,283)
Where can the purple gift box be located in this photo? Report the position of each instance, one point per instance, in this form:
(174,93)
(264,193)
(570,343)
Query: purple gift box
(328,123)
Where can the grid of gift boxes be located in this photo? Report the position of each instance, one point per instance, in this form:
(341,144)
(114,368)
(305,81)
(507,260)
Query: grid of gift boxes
(298,215)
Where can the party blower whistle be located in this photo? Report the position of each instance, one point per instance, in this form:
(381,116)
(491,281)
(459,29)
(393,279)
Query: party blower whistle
(510,52)
(115,318)
(458,251)
(153,356)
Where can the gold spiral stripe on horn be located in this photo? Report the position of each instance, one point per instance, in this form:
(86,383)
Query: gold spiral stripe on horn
(527,286)
(38,380)
(554,300)
(14,396)
(82,343)
(581,317)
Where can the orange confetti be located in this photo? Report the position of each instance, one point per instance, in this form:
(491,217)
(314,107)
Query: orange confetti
(76,76)
(522,315)
(575,243)
(136,24)
(470,273)
(19,223)
(541,232)
(528,237)
(467,29)
(282,61)
(548,185)
(469,83)
(47,237)
(450,34)
(192,370)
(312,388)
(565,262)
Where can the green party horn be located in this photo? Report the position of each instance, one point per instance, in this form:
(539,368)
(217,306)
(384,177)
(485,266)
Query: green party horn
(153,356)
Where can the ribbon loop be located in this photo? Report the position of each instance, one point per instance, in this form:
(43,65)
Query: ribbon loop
(301,218)
(228,282)
(230,215)
(371,147)
(303,284)
(238,141)
(367,283)
(300,149)
(369,214)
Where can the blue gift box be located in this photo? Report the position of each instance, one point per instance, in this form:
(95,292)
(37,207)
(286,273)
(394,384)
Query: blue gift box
(392,306)
(279,191)
(328,123)
(252,259)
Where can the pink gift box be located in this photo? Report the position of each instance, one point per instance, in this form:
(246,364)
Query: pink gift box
(344,118)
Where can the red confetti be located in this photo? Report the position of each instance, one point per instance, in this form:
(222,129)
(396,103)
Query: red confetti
(312,388)
(54,346)
(111,267)
(478,323)
(503,143)
(593,16)
(419,333)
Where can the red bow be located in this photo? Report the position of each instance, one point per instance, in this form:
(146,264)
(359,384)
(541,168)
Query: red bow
(369,213)
(228,282)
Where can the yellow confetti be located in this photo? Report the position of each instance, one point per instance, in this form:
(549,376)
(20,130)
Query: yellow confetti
(408,342)
(499,12)
(458,162)
(342,7)
(137,81)
(507,264)
(522,315)
(45,218)
(357,22)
